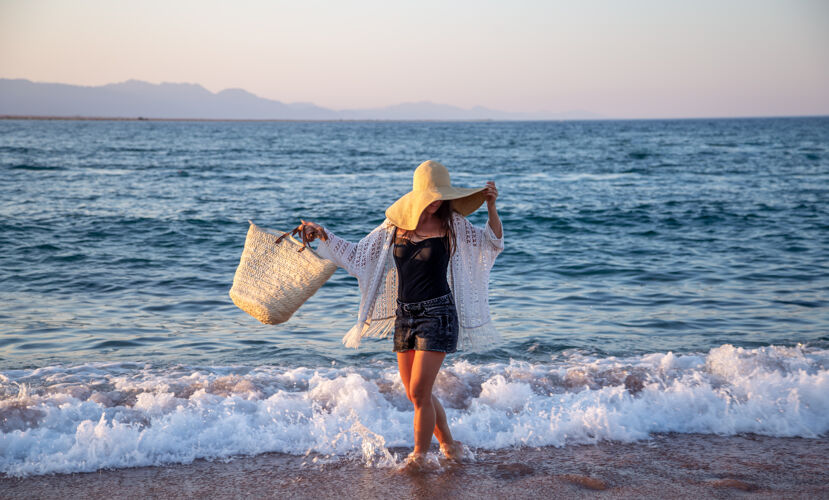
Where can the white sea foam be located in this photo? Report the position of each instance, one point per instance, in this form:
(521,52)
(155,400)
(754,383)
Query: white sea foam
(92,416)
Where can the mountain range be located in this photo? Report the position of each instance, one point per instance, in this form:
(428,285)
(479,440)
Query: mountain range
(139,99)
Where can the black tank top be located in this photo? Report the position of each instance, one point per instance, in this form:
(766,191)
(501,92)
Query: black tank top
(421,269)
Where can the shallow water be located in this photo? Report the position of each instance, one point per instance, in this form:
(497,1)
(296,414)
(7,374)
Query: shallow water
(654,273)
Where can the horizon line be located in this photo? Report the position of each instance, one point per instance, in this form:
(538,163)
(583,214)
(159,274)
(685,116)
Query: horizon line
(391,120)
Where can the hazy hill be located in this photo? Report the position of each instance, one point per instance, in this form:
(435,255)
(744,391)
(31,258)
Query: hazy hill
(134,98)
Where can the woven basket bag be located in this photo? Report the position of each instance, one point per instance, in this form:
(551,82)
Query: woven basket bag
(277,274)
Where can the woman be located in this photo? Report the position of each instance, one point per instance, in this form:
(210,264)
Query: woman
(424,273)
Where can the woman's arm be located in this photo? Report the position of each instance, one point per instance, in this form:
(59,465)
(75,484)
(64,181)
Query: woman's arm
(353,257)
(487,242)
(494,219)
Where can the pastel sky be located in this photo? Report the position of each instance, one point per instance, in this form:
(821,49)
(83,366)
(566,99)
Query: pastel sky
(621,59)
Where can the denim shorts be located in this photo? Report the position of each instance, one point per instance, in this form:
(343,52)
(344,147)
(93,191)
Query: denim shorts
(430,325)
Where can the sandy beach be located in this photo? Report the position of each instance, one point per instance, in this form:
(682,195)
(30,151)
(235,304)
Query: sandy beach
(667,466)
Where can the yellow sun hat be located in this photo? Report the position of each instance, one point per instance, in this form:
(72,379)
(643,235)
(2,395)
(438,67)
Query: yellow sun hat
(431,183)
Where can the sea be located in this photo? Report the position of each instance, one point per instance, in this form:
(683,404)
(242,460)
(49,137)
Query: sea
(659,278)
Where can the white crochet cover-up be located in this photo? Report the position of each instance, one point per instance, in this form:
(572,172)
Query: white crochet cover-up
(371,261)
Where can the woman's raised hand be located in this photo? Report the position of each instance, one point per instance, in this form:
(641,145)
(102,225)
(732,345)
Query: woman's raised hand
(312,231)
(491,192)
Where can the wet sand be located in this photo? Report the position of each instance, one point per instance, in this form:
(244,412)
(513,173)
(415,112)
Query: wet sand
(667,466)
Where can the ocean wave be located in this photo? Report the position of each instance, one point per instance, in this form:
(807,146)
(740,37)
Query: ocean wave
(62,419)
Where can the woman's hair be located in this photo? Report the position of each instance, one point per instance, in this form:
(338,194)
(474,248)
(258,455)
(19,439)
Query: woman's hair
(444,213)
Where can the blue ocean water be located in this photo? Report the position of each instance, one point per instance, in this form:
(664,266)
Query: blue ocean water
(119,240)
(700,240)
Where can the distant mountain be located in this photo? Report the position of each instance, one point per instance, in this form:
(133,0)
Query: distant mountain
(134,98)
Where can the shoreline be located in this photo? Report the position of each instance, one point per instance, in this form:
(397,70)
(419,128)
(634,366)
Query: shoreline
(667,465)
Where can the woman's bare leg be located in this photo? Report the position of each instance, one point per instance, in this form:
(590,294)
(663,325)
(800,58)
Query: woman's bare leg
(405,363)
(442,432)
(424,372)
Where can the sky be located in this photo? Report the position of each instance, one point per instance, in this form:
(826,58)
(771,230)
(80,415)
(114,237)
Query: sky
(620,59)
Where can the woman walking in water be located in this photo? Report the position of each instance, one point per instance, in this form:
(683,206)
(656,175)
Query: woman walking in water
(424,273)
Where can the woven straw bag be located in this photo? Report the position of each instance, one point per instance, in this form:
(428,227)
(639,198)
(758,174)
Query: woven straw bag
(276,275)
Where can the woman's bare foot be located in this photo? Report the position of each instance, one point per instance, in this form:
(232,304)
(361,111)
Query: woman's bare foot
(453,451)
(418,462)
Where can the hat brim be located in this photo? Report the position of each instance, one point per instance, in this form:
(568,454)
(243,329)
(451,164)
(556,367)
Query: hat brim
(405,212)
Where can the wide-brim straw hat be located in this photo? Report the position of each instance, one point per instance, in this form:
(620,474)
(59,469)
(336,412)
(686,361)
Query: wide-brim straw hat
(431,183)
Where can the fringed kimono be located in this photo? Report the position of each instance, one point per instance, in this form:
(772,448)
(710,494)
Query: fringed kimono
(371,261)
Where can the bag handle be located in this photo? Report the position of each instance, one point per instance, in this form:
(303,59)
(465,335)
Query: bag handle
(297,229)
